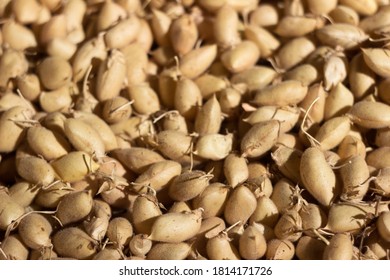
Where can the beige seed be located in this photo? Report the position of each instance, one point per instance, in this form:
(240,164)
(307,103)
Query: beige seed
(293,52)
(377,60)
(197,61)
(73,242)
(120,231)
(35,230)
(339,248)
(214,146)
(14,248)
(265,40)
(157,176)
(137,159)
(340,34)
(9,210)
(189,185)
(35,170)
(74,166)
(221,248)
(344,14)
(240,205)
(383,225)
(169,251)
(317,176)
(212,200)
(309,248)
(252,244)
(145,212)
(280,250)
(83,137)
(187,98)
(54,72)
(176,227)
(74,207)
(111,76)
(145,99)
(370,114)
(282,94)
(241,57)
(255,78)
(363,7)
(260,139)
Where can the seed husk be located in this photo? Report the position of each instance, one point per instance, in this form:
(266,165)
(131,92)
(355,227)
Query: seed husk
(287,116)
(23,193)
(145,99)
(235,169)
(265,41)
(265,213)
(295,26)
(338,102)
(288,161)
(136,63)
(12,133)
(361,78)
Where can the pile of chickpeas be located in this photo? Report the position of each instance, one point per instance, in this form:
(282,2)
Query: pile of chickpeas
(194,129)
